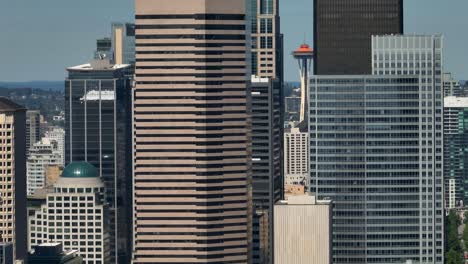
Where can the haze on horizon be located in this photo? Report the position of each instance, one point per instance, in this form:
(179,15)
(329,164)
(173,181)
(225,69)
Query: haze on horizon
(41,38)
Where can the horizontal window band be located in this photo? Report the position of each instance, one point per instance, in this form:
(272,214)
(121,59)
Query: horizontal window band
(197,128)
(201,181)
(194,67)
(193,89)
(196,45)
(215,188)
(192,36)
(206,136)
(207,143)
(214,97)
(189,105)
(199,196)
(192,82)
(194,52)
(195,75)
(193,16)
(201,60)
(192,26)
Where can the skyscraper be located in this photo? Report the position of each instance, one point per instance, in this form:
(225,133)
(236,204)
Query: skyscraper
(40,156)
(192,156)
(296,157)
(103,48)
(343,30)
(13,176)
(365,158)
(56,136)
(266,162)
(266,54)
(267,41)
(421,55)
(456,151)
(98,130)
(451,86)
(123,44)
(33,128)
(6,253)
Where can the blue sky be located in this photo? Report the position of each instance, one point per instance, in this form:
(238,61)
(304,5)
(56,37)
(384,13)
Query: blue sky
(39,38)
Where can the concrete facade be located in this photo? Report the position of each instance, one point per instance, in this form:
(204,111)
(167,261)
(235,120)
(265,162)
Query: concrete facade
(296,157)
(13,176)
(303,231)
(191,127)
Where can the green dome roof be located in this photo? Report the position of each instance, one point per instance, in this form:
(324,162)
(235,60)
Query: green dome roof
(80,170)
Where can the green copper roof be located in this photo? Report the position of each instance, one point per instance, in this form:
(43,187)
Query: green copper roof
(80,170)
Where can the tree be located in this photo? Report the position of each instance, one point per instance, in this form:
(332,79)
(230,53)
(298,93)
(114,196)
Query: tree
(454,257)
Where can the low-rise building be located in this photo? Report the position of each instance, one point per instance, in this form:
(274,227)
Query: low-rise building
(74,214)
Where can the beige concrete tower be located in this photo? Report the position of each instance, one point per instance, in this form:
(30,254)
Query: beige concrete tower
(13,176)
(267,41)
(192,158)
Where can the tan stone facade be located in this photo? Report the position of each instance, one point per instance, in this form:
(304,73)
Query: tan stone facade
(303,231)
(192,194)
(13,176)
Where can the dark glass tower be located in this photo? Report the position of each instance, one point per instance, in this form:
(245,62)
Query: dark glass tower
(266,92)
(343,30)
(98,130)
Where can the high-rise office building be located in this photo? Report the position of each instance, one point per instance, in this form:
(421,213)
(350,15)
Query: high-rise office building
(74,215)
(267,40)
(422,55)
(13,176)
(292,106)
(266,55)
(455,151)
(123,43)
(98,130)
(266,162)
(303,230)
(296,157)
(6,253)
(33,128)
(370,157)
(192,149)
(40,156)
(343,30)
(103,48)
(451,86)
(56,136)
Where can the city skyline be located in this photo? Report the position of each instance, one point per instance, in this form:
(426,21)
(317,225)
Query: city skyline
(68,42)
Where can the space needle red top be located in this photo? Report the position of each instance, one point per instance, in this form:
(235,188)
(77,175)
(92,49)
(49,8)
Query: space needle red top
(304,51)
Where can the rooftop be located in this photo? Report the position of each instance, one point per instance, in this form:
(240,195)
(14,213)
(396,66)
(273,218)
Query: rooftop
(306,199)
(80,170)
(98,65)
(8,105)
(452,101)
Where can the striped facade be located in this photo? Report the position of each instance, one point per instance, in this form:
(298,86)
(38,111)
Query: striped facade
(192,189)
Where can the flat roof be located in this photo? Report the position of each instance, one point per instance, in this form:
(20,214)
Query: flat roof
(8,105)
(453,101)
(88,67)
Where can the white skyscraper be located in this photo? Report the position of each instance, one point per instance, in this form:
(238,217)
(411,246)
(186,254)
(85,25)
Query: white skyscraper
(57,137)
(41,154)
(296,157)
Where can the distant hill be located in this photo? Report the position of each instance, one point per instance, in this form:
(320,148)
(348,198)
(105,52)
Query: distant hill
(43,85)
